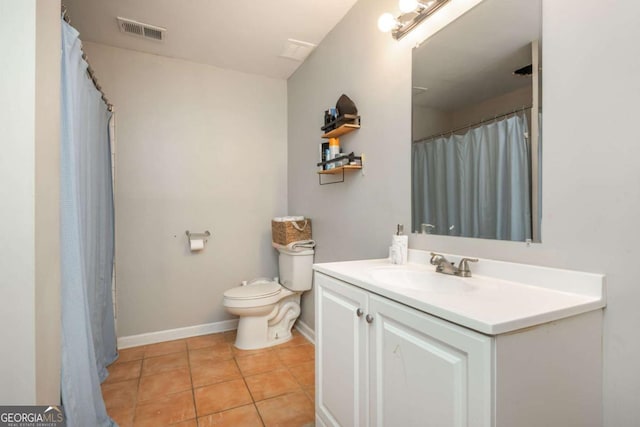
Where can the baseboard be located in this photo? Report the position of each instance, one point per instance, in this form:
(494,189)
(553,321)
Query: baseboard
(306,331)
(176,334)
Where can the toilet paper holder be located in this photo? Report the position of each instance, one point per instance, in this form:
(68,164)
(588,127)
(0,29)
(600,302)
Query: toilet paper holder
(189,234)
(202,236)
(197,241)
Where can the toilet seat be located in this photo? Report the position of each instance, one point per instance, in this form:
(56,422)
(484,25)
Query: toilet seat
(258,293)
(254,290)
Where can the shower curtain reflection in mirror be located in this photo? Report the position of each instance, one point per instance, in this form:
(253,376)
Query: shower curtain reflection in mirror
(475,184)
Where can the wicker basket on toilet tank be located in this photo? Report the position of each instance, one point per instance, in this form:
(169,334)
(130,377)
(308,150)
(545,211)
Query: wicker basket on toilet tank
(285,232)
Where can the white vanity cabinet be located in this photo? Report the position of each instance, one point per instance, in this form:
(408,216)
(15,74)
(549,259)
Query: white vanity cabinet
(342,353)
(425,371)
(382,363)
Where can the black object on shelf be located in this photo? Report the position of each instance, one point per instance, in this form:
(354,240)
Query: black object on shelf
(324,153)
(330,115)
(339,169)
(346,106)
(344,112)
(341,120)
(351,157)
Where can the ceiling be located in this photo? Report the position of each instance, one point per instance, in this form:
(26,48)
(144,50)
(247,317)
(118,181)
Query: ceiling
(241,35)
(473,58)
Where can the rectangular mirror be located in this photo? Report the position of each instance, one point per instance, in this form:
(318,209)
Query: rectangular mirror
(476,126)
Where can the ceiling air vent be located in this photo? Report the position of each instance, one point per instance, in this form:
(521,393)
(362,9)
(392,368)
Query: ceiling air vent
(140,29)
(297,50)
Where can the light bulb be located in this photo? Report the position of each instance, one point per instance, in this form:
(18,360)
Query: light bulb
(386,22)
(407,6)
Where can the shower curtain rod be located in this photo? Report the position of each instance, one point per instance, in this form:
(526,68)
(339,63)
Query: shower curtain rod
(473,125)
(92,74)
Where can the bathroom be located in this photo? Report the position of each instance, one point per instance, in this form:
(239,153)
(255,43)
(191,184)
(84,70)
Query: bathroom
(206,148)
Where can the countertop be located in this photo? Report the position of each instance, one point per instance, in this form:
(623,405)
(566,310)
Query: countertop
(501,297)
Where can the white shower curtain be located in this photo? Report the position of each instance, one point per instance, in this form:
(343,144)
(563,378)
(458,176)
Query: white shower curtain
(476,184)
(87,235)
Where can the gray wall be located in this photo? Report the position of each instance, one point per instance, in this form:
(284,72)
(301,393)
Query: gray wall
(591,196)
(354,219)
(29,189)
(198,148)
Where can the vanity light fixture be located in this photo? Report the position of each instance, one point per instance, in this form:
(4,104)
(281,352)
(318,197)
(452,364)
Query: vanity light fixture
(412,13)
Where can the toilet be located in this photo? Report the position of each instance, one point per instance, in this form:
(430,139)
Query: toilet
(268,308)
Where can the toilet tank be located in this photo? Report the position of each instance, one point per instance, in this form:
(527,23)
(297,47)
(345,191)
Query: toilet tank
(295,268)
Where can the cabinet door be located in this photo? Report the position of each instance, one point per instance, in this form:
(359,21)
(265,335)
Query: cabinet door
(426,371)
(341,358)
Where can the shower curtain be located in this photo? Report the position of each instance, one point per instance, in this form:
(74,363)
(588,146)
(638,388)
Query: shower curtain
(87,235)
(476,184)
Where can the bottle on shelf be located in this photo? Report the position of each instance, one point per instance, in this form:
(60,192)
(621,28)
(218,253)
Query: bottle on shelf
(334,151)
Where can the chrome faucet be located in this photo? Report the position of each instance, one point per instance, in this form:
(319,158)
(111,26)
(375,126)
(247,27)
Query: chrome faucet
(442,264)
(445,267)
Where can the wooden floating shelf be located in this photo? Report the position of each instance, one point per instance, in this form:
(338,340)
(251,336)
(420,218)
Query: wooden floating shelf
(339,131)
(339,169)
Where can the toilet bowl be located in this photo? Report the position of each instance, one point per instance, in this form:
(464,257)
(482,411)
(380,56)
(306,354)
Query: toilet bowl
(267,309)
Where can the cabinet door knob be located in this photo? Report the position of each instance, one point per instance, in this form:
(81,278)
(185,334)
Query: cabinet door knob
(359,312)
(369,318)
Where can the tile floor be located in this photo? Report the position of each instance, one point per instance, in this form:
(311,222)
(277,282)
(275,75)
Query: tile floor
(205,381)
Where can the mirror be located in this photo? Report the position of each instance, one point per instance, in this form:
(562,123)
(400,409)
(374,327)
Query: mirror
(476,139)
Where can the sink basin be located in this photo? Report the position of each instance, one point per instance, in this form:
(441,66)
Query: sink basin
(421,280)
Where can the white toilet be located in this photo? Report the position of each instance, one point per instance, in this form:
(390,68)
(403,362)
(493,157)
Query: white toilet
(268,309)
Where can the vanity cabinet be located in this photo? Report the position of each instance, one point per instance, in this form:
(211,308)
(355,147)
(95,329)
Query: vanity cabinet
(342,350)
(382,363)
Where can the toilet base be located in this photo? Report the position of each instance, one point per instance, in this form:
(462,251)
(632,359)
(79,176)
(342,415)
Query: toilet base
(256,332)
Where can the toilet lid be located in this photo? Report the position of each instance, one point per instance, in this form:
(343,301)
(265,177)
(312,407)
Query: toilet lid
(259,289)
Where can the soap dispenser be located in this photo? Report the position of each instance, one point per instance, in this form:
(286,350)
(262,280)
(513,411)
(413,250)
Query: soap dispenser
(398,252)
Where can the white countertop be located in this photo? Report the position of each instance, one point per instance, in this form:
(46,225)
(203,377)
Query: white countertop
(500,297)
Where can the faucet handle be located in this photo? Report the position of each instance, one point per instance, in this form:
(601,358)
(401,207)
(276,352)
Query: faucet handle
(463,267)
(436,258)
